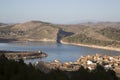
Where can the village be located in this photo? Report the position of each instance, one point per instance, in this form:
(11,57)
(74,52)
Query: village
(89,61)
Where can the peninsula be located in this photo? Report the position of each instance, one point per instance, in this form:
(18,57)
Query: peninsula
(16,55)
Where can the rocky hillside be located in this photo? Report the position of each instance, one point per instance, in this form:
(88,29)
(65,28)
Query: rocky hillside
(32,31)
(102,33)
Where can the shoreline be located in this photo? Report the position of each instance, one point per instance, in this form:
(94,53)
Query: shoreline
(63,42)
(92,46)
(42,40)
(26,40)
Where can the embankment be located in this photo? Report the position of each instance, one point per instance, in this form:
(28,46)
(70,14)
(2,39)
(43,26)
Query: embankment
(92,46)
(23,54)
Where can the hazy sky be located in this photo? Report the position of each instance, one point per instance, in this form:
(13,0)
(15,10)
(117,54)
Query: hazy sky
(59,11)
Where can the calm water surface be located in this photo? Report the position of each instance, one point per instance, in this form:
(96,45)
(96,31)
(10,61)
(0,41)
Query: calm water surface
(57,51)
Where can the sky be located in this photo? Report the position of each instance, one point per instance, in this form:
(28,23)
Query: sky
(59,11)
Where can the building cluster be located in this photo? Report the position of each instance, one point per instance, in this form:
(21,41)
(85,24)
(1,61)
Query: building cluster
(89,61)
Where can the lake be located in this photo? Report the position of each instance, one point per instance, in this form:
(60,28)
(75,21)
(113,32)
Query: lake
(61,52)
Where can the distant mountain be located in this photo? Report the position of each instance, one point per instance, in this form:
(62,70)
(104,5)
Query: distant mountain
(2,24)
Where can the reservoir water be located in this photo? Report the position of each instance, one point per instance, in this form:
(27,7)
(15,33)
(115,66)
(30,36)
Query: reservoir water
(61,52)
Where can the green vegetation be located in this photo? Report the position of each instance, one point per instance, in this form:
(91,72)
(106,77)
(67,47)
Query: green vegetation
(98,74)
(18,70)
(82,38)
(112,33)
(7,31)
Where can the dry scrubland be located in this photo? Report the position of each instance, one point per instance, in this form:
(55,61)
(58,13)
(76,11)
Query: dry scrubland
(104,34)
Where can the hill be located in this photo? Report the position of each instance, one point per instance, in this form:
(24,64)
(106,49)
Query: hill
(31,31)
(2,24)
(101,34)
